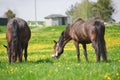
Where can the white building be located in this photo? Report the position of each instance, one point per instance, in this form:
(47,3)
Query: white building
(55,20)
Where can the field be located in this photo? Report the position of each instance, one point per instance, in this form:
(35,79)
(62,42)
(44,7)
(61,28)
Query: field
(40,65)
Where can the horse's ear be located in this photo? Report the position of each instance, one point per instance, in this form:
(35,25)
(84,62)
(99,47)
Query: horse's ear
(5,46)
(55,41)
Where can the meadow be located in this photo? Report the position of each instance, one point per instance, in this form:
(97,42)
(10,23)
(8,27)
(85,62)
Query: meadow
(40,65)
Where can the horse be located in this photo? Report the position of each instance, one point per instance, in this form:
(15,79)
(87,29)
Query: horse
(83,32)
(17,35)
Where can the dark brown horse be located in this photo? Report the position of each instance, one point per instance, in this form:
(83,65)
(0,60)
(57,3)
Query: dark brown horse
(83,32)
(17,35)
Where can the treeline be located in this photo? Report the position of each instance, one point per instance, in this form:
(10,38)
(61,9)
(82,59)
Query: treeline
(87,10)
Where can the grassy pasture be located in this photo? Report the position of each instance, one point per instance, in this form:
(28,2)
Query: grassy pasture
(40,65)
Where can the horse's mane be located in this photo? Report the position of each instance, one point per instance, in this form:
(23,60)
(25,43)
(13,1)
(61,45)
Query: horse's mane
(79,19)
(66,31)
(61,38)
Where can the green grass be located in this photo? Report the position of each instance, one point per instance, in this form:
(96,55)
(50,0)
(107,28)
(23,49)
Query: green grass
(40,65)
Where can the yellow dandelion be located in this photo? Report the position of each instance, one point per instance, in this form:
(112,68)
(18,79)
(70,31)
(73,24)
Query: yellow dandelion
(118,60)
(36,65)
(22,76)
(59,65)
(107,64)
(30,71)
(117,74)
(107,77)
(56,70)
(78,64)
(68,68)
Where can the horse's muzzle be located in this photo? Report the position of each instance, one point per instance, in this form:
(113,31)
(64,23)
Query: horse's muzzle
(54,56)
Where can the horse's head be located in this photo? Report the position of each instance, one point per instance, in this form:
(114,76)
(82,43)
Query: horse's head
(58,50)
(12,55)
(59,46)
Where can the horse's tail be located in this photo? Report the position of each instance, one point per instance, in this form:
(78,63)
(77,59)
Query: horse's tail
(15,28)
(101,46)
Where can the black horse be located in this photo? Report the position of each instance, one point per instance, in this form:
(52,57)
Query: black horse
(17,36)
(91,31)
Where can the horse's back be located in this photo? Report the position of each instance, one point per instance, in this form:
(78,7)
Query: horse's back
(23,30)
(91,28)
(84,32)
(79,32)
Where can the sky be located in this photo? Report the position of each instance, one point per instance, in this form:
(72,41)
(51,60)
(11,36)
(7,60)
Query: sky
(26,8)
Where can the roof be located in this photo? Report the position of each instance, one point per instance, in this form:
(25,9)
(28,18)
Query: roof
(54,16)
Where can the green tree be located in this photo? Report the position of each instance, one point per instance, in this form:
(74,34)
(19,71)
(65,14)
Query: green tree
(71,11)
(9,14)
(103,9)
(87,10)
(80,10)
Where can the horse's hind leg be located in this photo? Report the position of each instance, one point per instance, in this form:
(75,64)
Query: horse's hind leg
(25,54)
(77,50)
(85,51)
(20,55)
(98,56)
(96,50)
(104,56)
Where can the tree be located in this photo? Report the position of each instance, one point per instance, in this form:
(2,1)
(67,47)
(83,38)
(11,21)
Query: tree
(103,9)
(80,10)
(71,11)
(9,14)
(87,10)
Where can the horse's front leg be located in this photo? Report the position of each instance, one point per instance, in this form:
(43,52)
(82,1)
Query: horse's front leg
(85,51)
(77,50)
